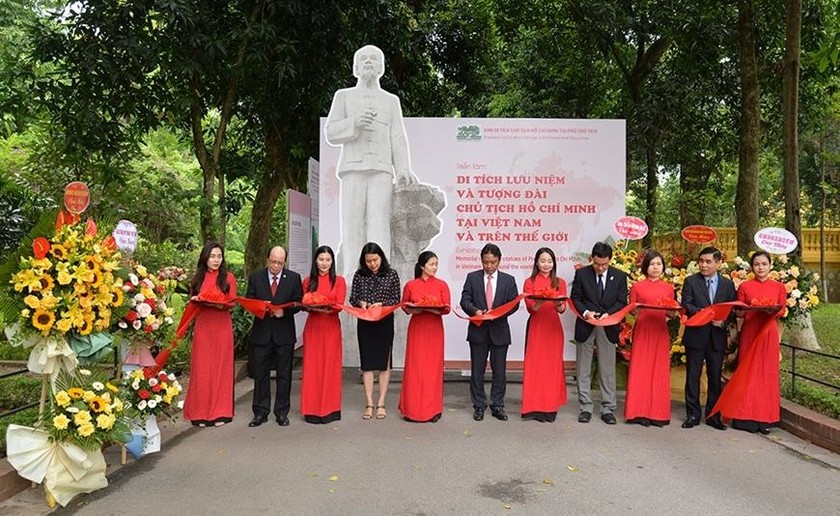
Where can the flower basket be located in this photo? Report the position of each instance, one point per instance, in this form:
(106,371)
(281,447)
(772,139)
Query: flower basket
(145,437)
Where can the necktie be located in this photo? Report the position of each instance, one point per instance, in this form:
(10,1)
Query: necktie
(711,290)
(488,292)
(601,284)
(273,285)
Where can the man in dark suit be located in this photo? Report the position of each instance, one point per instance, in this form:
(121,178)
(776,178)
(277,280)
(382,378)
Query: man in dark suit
(274,336)
(598,290)
(484,289)
(708,342)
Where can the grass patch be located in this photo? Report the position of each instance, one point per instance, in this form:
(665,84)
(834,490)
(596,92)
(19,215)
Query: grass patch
(816,397)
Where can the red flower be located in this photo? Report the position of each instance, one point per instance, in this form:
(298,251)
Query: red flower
(315,298)
(143,394)
(163,378)
(131,316)
(152,304)
(156,388)
(148,373)
(678,261)
(147,329)
(159,289)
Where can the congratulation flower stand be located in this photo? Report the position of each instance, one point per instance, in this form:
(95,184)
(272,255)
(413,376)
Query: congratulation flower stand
(65,469)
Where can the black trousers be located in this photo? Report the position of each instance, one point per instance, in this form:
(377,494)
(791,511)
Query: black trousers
(267,357)
(478,360)
(693,369)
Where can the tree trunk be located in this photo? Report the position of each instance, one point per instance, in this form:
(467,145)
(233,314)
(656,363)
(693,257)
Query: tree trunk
(272,184)
(790,114)
(651,184)
(746,196)
(222,209)
(694,176)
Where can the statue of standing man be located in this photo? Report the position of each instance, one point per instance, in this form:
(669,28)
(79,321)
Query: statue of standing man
(367,122)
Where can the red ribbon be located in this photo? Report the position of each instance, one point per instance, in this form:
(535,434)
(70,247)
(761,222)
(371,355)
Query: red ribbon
(715,312)
(493,313)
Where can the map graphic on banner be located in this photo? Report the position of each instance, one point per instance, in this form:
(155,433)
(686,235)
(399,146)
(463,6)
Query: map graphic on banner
(519,183)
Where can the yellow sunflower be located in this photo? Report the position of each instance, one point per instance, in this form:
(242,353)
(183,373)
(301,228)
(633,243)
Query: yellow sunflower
(76,392)
(43,320)
(86,328)
(47,282)
(59,251)
(97,404)
(117,297)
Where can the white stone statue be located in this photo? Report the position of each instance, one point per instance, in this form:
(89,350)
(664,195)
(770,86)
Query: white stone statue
(366,121)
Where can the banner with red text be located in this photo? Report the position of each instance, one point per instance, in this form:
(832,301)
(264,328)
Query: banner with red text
(519,183)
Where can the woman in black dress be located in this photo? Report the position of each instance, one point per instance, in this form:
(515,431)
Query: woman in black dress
(375,284)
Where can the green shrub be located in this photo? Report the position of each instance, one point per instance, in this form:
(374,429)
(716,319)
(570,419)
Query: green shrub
(817,398)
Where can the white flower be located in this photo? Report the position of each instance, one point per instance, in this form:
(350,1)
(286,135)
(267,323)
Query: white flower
(137,324)
(141,405)
(143,310)
(180,404)
(84,372)
(135,384)
(72,410)
(97,386)
(122,324)
(155,326)
(126,288)
(168,320)
(158,398)
(151,404)
(170,377)
(148,283)
(139,298)
(162,306)
(133,278)
(796,293)
(152,382)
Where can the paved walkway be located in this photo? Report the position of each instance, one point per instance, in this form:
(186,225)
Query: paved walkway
(459,466)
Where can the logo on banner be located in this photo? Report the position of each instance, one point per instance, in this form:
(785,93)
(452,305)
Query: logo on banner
(468,133)
(699,234)
(126,236)
(631,228)
(775,240)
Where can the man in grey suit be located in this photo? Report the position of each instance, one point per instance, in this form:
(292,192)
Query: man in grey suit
(484,289)
(705,343)
(598,290)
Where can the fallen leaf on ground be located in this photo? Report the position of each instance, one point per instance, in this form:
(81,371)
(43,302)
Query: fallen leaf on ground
(548,481)
(313,475)
(506,506)
(416,466)
(467,433)
(572,468)
(334,478)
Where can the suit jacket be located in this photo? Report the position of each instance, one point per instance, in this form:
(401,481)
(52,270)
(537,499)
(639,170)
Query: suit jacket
(496,332)
(272,329)
(695,297)
(586,296)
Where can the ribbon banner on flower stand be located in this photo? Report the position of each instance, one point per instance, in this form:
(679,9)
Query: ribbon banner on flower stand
(699,234)
(775,240)
(631,228)
(76,197)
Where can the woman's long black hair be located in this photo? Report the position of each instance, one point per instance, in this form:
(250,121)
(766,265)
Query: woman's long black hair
(373,248)
(314,272)
(555,281)
(201,269)
(422,260)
